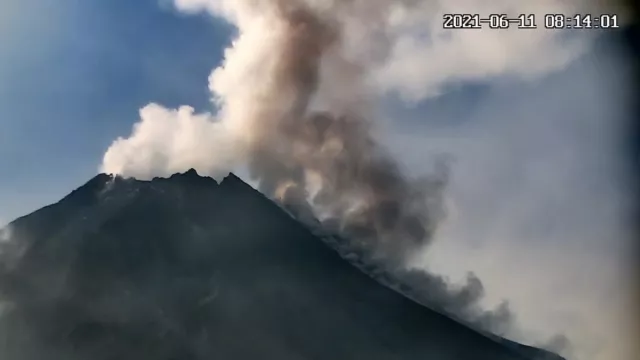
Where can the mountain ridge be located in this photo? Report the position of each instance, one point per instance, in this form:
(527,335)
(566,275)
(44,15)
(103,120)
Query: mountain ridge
(176,189)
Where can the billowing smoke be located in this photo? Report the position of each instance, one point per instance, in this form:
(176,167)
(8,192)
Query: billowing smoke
(297,95)
(274,92)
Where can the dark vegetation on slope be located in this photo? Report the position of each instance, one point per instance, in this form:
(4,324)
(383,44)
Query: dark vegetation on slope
(185,268)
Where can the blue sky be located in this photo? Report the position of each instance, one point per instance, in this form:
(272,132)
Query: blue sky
(536,187)
(72,78)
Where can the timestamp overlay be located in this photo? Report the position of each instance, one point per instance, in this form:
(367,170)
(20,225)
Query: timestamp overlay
(530,21)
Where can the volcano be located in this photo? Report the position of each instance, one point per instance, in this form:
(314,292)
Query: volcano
(186,268)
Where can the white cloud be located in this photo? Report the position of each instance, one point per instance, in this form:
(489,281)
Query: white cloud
(538,197)
(425,58)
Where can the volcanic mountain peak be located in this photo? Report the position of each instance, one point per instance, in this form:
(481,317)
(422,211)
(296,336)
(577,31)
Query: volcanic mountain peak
(186,268)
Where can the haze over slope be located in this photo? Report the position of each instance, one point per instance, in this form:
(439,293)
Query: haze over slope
(184,268)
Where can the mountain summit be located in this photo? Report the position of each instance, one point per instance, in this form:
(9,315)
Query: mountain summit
(185,268)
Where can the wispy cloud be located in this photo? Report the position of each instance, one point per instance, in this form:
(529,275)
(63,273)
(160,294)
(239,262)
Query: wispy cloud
(537,200)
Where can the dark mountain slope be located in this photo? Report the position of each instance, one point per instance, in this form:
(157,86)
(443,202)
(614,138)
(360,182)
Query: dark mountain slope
(184,268)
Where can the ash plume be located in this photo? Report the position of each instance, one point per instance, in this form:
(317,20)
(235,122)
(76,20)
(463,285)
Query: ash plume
(297,94)
(278,100)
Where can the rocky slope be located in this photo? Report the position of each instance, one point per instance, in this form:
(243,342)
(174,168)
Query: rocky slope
(186,268)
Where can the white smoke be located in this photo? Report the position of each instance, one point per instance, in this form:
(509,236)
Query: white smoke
(165,141)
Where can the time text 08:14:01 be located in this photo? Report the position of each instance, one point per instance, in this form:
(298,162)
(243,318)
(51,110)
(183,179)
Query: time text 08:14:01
(528,21)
